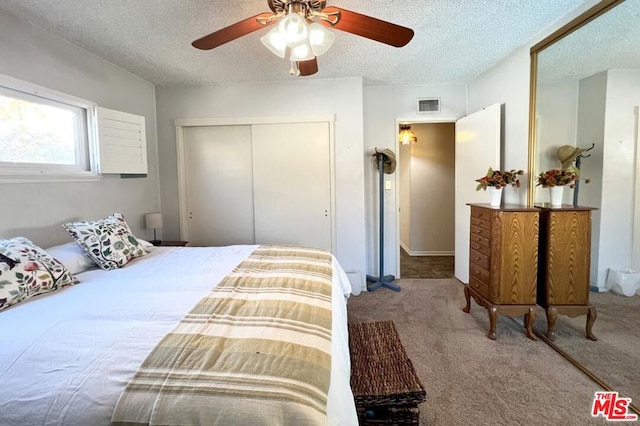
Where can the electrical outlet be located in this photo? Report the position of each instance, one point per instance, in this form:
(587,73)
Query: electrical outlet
(387,185)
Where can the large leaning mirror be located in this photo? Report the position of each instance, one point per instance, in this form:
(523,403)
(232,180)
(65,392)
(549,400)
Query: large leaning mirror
(585,97)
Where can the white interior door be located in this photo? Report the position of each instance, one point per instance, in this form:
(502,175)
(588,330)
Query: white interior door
(477,148)
(219,185)
(292,184)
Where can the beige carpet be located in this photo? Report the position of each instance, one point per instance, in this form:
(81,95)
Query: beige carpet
(469,379)
(615,357)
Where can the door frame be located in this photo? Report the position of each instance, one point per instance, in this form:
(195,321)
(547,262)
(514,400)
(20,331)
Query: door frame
(182,123)
(635,230)
(410,120)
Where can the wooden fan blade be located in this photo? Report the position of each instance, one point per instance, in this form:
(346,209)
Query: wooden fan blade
(309,67)
(234,31)
(368,27)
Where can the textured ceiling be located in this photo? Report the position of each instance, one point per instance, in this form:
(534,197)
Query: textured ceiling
(454,40)
(608,42)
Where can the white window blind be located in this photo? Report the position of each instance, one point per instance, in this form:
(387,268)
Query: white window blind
(122,142)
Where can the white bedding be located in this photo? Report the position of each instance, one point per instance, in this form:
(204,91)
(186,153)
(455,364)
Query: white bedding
(65,357)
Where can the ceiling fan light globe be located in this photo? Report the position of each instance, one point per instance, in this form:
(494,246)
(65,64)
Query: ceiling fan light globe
(320,38)
(302,52)
(274,42)
(293,29)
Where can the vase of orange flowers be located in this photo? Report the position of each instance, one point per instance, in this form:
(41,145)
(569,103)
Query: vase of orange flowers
(556,180)
(495,180)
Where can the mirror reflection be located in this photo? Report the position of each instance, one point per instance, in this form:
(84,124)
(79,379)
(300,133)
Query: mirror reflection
(586,107)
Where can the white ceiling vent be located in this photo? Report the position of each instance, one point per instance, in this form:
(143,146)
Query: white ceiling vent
(428,105)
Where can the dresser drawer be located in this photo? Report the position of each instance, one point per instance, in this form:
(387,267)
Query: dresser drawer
(478,272)
(480,223)
(476,230)
(482,260)
(479,286)
(480,214)
(481,247)
(479,239)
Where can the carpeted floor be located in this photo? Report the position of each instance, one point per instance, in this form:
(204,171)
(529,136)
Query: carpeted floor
(471,380)
(425,266)
(615,356)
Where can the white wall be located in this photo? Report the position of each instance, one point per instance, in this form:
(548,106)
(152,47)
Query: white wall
(556,112)
(590,126)
(383,106)
(341,97)
(619,166)
(508,83)
(36,210)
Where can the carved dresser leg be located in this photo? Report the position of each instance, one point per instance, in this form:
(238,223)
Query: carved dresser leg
(592,314)
(552,316)
(529,318)
(493,318)
(466,296)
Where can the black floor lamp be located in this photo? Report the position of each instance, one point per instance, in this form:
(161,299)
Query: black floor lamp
(385,161)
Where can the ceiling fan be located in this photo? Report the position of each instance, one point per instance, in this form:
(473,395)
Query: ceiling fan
(300,32)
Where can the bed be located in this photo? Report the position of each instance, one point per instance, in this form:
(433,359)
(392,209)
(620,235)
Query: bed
(66,357)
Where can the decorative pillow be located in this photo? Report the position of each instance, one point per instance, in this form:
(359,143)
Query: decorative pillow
(26,270)
(146,244)
(109,241)
(72,256)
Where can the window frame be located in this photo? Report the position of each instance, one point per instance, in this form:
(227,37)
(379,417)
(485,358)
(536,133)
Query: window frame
(85,140)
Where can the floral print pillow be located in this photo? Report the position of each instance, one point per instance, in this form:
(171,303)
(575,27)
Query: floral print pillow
(109,241)
(26,270)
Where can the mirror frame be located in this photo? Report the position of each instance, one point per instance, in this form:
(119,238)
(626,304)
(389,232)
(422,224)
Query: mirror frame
(595,11)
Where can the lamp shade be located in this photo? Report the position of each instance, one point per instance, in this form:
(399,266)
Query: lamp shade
(320,38)
(301,52)
(274,41)
(406,135)
(153,220)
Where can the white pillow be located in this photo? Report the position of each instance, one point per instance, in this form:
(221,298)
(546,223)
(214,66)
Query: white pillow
(72,256)
(146,244)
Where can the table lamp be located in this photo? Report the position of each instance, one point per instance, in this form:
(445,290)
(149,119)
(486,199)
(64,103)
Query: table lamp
(153,221)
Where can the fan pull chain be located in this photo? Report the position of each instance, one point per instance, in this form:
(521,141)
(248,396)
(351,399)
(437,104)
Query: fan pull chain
(295,71)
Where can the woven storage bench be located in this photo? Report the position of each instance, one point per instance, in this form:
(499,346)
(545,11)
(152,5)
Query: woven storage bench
(384,384)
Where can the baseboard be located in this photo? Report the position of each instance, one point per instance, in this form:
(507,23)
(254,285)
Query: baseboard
(429,253)
(596,289)
(425,253)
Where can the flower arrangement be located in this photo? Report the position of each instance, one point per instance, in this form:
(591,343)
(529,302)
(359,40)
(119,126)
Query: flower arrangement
(556,177)
(499,179)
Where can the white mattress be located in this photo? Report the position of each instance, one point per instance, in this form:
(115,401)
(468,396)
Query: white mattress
(66,356)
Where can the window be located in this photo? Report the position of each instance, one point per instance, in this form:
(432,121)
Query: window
(43,133)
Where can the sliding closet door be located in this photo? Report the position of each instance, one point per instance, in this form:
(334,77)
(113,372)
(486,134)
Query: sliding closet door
(291,179)
(219,185)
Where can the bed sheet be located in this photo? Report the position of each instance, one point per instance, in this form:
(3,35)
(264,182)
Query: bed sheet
(65,357)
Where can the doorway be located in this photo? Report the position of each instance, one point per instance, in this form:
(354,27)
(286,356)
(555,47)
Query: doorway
(426,189)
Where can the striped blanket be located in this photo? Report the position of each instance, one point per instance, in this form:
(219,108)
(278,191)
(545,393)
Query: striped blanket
(255,350)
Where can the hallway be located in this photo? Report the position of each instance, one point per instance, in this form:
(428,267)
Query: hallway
(425,266)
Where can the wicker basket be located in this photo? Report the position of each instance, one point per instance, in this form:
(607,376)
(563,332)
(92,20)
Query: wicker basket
(385,386)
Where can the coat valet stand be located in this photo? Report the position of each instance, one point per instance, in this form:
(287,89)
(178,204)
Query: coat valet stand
(578,165)
(385,163)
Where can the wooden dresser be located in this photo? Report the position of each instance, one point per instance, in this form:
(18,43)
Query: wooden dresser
(503,262)
(564,264)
